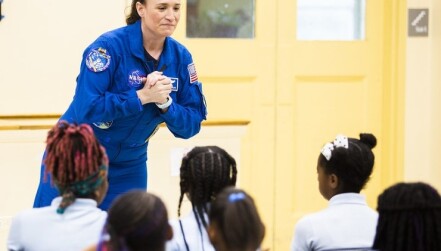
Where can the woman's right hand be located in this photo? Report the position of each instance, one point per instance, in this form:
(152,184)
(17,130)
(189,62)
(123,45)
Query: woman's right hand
(157,87)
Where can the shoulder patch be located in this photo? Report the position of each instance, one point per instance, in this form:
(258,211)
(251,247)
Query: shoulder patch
(98,60)
(192,72)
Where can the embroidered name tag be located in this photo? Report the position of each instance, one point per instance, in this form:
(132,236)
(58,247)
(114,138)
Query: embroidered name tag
(175,84)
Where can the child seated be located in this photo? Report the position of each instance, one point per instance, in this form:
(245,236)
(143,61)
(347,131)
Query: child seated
(235,224)
(205,171)
(77,165)
(410,218)
(343,168)
(137,221)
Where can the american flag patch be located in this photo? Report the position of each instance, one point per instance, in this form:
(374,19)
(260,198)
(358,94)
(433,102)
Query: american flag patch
(193,74)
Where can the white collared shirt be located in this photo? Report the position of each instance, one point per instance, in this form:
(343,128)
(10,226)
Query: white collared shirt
(193,236)
(347,222)
(43,229)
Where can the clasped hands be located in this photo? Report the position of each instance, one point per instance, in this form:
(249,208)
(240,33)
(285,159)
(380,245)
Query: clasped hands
(157,87)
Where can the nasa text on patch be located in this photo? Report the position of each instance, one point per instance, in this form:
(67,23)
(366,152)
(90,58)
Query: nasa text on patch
(135,78)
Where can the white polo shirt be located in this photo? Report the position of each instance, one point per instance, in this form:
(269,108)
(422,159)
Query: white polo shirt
(192,235)
(42,229)
(347,222)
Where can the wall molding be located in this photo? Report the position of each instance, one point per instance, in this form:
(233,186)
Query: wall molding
(46,121)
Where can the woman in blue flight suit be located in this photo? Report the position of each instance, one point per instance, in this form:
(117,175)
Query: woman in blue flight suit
(131,80)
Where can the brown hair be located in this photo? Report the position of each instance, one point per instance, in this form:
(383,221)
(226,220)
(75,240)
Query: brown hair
(133,16)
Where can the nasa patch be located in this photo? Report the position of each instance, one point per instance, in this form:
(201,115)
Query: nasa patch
(135,78)
(98,60)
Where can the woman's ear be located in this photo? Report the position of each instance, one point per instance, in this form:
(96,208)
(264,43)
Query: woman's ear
(140,8)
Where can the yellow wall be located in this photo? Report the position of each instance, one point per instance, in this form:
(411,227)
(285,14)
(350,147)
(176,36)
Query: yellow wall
(423,100)
(435,148)
(41,45)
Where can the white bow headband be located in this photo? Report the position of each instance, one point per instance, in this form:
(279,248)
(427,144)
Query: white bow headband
(339,141)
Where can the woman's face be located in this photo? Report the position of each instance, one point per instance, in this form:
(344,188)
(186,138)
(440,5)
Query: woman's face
(160,17)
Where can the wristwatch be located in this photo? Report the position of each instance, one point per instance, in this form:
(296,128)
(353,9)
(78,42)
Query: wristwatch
(166,104)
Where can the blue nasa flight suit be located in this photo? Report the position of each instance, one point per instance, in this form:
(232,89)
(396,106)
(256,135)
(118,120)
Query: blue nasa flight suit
(105,97)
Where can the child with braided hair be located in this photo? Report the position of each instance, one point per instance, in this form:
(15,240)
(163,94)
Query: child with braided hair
(235,224)
(409,218)
(343,167)
(77,165)
(204,172)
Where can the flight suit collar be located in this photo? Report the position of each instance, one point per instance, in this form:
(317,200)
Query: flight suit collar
(135,39)
(135,43)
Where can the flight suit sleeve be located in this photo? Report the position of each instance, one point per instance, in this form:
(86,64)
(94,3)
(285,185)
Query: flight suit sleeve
(96,98)
(185,114)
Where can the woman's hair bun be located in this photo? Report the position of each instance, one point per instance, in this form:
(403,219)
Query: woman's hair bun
(368,139)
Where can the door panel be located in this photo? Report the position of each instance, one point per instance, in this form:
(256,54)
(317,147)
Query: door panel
(238,77)
(325,88)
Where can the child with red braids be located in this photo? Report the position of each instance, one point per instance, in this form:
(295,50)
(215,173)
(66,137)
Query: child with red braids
(77,165)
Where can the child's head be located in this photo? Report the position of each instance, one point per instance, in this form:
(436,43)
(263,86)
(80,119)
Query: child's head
(205,171)
(138,221)
(409,218)
(76,162)
(235,223)
(345,165)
